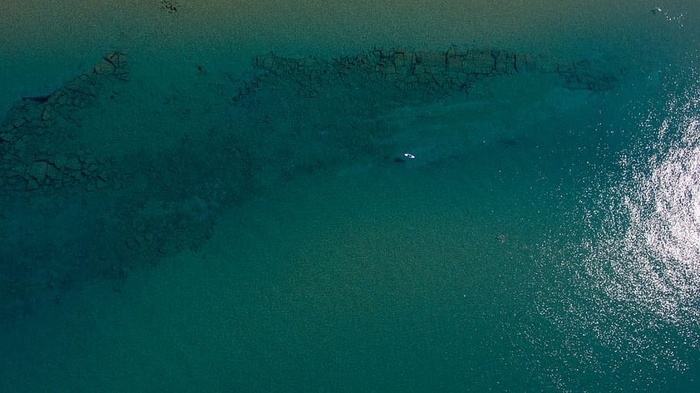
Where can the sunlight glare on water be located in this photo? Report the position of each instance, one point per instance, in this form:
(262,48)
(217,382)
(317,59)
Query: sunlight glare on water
(625,297)
(657,262)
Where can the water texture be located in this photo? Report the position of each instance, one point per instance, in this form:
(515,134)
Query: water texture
(307,196)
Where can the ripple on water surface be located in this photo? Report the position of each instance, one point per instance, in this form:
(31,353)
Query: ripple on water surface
(626,298)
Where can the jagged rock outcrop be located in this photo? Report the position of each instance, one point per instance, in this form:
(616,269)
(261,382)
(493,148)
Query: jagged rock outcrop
(431,72)
(34,154)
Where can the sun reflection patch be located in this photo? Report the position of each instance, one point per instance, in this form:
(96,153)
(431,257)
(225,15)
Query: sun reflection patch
(624,297)
(657,219)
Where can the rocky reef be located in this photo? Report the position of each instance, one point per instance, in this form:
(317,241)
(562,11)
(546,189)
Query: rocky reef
(292,116)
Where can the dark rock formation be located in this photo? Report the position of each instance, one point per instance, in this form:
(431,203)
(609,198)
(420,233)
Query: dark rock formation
(71,216)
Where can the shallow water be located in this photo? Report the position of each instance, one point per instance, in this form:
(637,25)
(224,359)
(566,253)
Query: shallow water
(207,221)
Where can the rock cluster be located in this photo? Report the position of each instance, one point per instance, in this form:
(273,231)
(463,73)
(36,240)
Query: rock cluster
(431,72)
(170,6)
(582,75)
(163,203)
(33,150)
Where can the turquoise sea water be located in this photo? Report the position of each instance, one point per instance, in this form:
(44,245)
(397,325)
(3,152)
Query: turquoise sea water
(297,223)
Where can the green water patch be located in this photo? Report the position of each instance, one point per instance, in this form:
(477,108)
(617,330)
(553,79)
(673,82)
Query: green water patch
(148,172)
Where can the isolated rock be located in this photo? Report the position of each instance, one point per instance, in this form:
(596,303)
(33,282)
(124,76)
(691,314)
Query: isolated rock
(37,171)
(104,68)
(73,164)
(60,161)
